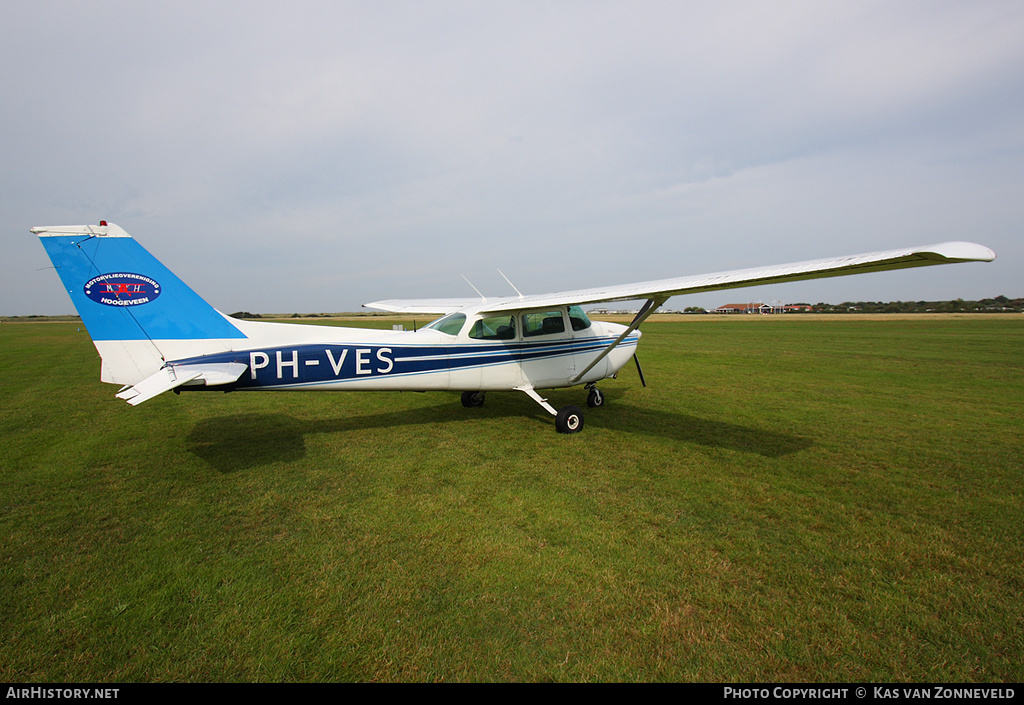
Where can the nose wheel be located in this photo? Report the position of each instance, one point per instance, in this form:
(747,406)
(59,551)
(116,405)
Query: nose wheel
(595,398)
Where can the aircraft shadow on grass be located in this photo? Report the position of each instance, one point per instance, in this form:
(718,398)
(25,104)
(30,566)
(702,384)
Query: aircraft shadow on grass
(226,442)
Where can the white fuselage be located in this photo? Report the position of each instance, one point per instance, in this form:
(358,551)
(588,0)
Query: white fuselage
(314,357)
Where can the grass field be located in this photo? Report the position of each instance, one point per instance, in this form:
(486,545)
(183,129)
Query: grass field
(792,499)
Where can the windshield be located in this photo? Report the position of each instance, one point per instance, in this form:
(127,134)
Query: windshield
(450,324)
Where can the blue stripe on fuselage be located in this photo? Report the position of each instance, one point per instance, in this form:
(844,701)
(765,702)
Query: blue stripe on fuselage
(323,363)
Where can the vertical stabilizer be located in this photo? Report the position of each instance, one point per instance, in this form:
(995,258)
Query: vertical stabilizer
(138,313)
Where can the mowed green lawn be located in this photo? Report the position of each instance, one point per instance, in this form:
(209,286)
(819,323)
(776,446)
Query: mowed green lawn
(791,499)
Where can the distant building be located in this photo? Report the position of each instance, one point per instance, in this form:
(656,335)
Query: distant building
(744,308)
(758,307)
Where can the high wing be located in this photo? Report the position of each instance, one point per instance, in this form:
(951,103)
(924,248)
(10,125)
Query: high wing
(659,291)
(662,289)
(438,307)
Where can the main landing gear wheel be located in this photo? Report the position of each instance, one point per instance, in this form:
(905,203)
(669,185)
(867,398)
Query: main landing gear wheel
(471,399)
(569,420)
(595,398)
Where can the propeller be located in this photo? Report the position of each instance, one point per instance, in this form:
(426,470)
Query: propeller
(639,369)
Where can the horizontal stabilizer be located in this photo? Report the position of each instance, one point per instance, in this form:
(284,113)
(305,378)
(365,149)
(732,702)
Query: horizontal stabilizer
(218,373)
(169,377)
(165,379)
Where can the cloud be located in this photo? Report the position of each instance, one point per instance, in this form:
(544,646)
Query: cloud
(370,150)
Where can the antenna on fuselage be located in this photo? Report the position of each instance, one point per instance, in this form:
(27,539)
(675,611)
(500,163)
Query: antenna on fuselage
(510,283)
(482,297)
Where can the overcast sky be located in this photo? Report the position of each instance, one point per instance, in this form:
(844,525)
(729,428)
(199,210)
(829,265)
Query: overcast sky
(314,156)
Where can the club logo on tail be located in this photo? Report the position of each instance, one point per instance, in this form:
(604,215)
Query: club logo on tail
(122,289)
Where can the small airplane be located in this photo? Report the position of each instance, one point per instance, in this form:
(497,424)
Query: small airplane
(155,334)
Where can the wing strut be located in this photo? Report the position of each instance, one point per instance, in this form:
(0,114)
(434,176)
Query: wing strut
(647,310)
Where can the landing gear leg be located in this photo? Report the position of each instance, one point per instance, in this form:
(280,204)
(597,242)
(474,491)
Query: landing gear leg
(568,419)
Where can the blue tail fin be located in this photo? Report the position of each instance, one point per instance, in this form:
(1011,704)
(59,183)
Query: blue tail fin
(138,313)
(123,293)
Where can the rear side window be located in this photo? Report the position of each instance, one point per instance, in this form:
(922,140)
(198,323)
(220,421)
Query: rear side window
(543,323)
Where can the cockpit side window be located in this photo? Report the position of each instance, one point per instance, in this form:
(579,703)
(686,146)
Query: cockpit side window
(494,328)
(450,324)
(578,318)
(543,323)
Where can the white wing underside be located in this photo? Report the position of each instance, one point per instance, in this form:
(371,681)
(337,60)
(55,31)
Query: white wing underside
(661,289)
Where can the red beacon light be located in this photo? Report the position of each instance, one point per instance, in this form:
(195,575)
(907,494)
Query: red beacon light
(103,223)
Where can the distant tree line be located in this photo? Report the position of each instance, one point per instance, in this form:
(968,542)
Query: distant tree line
(999,304)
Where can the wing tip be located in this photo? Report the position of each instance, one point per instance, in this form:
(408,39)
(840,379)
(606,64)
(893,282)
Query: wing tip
(960,252)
